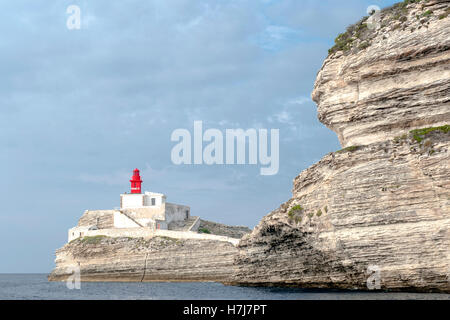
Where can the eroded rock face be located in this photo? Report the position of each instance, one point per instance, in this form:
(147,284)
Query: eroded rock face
(396,79)
(137,259)
(377,213)
(221,229)
(385,206)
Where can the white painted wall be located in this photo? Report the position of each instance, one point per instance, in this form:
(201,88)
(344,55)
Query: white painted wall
(140,200)
(195,225)
(77,232)
(130,200)
(160,199)
(122,221)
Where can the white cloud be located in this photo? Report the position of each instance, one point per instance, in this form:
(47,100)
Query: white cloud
(283,117)
(276,37)
(114,179)
(299,100)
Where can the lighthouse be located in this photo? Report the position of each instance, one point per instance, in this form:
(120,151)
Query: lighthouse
(144,211)
(136,182)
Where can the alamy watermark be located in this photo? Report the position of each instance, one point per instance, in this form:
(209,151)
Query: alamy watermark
(74,280)
(74,20)
(374,19)
(231,151)
(374,279)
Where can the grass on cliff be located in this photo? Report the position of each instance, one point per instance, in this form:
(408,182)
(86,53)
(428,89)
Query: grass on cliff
(395,16)
(419,134)
(348,149)
(92,240)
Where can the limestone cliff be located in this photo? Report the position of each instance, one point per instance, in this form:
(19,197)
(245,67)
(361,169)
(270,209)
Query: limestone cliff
(383,202)
(129,256)
(388,76)
(137,259)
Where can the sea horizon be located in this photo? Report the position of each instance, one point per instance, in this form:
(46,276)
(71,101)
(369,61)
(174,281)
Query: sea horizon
(35,286)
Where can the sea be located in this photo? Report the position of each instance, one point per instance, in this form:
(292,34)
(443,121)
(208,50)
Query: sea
(37,287)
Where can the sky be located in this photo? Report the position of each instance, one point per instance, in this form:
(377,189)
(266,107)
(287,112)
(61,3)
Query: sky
(81,108)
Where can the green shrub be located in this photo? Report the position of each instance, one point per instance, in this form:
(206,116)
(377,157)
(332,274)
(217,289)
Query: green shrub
(364,45)
(295,213)
(203,230)
(419,134)
(294,210)
(349,149)
(319,213)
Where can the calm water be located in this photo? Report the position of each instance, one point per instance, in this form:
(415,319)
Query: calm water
(36,286)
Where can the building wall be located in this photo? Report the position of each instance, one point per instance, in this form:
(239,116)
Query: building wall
(159,199)
(177,212)
(147,199)
(131,200)
(122,221)
(161,225)
(77,232)
(148,233)
(195,225)
(137,211)
(161,210)
(146,213)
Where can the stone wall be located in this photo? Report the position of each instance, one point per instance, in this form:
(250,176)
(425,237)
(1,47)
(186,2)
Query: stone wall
(149,233)
(176,212)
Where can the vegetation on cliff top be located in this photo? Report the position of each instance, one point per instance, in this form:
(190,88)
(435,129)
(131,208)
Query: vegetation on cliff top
(92,239)
(358,36)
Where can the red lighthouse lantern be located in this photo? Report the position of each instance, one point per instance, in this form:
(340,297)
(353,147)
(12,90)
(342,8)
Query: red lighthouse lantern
(136,182)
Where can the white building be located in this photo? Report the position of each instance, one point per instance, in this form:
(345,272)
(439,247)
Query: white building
(147,210)
(150,209)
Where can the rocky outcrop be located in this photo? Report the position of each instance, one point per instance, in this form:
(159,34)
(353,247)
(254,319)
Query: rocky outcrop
(137,259)
(377,213)
(385,206)
(391,74)
(220,229)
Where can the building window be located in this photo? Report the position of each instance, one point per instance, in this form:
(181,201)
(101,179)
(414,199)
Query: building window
(187,214)
(153,201)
